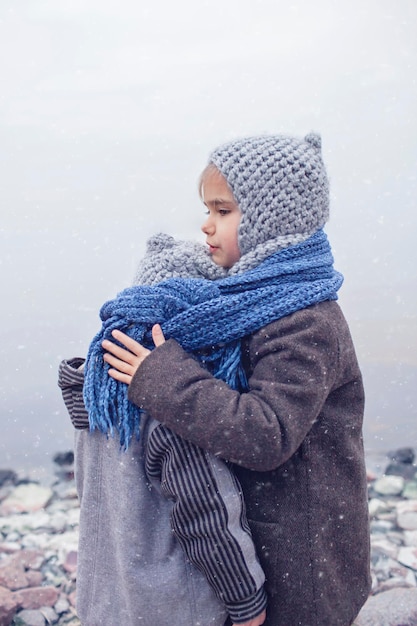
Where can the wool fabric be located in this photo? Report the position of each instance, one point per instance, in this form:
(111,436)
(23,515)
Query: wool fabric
(281,187)
(208,318)
(167,257)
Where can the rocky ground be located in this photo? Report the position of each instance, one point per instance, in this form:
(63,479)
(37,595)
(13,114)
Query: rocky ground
(393,516)
(38,548)
(39,530)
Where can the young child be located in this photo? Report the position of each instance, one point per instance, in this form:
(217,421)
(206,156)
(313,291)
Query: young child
(131,568)
(294,430)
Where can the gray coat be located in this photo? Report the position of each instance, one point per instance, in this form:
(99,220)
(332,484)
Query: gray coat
(131,570)
(143,512)
(296,440)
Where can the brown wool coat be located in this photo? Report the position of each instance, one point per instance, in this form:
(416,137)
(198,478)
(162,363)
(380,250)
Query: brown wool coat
(296,441)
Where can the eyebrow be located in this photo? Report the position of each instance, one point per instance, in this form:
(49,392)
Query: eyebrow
(219,201)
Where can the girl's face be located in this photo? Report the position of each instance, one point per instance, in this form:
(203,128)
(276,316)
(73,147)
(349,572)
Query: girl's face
(223,218)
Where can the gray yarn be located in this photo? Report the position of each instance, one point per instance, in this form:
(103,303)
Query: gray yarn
(167,257)
(281,187)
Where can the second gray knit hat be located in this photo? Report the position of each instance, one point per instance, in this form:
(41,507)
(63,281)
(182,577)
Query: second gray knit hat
(281,187)
(167,257)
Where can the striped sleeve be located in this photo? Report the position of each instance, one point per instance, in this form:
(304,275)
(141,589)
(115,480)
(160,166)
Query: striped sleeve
(209,520)
(70,381)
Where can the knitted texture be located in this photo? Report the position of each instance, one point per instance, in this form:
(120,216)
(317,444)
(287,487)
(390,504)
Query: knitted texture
(208,319)
(281,187)
(167,257)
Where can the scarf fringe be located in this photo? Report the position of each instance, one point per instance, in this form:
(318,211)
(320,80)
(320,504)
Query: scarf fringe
(208,319)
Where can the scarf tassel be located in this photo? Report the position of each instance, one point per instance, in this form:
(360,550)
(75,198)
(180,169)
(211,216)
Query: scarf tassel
(192,311)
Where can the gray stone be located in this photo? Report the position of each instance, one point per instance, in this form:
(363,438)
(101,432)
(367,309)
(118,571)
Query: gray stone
(407,515)
(25,498)
(49,614)
(377,506)
(383,546)
(9,547)
(62,605)
(7,477)
(389,485)
(396,537)
(410,578)
(393,583)
(64,458)
(381,526)
(28,617)
(383,567)
(405,470)
(410,490)
(410,538)
(396,607)
(402,455)
(408,557)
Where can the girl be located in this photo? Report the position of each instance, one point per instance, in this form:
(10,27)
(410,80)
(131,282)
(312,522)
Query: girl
(292,426)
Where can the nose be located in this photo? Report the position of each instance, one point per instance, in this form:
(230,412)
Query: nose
(208,226)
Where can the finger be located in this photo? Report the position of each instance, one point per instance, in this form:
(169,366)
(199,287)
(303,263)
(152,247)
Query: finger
(131,344)
(123,378)
(119,364)
(118,352)
(157,335)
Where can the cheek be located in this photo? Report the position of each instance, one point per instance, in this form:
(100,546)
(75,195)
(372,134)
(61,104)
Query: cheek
(234,244)
(237,231)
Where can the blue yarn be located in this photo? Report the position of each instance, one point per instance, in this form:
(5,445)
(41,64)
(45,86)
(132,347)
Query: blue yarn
(208,319)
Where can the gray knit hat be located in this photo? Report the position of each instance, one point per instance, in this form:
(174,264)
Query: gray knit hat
(281,187)
(167,257)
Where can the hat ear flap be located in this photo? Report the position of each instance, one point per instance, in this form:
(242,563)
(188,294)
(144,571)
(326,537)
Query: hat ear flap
(314,140)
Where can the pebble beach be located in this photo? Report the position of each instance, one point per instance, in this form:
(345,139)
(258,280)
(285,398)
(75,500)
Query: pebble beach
(39,541)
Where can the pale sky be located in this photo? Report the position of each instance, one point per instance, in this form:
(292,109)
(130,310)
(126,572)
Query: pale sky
(108,111)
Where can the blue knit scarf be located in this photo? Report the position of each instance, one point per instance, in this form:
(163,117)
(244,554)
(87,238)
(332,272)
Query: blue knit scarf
(208,319)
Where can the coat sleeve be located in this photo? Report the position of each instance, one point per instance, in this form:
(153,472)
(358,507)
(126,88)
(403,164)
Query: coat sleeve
(71,381)
(292,365)
(209,520)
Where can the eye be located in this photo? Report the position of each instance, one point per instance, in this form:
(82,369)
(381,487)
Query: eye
(224,211)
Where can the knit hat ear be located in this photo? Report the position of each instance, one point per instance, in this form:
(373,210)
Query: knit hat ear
(314,140)
(281,187)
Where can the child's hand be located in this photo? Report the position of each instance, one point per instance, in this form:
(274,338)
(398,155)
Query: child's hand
(125,363)
(256,621)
